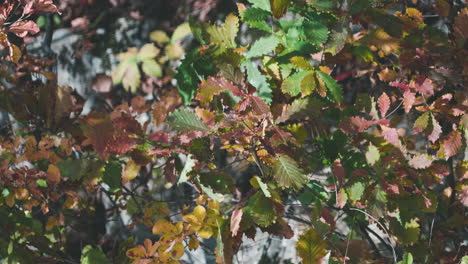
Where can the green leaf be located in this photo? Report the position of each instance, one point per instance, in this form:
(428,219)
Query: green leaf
(332,86)
(194,68)
(262,4)
(259,210)
(311,247)
(90,255)
(209,191)
(41,183)
(152,68)
(421,123)
(315,32)
(287,173)
(279,7)
(184,120)
(407,259)
(218,181)
(262,46)
(189,164)
(292,84)
(258,81)
(355,191)
(113,175)
(256,18)
(258,183)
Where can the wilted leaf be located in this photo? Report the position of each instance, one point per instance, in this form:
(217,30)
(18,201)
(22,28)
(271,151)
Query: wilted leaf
(53,174)
(167,103)
(214,86)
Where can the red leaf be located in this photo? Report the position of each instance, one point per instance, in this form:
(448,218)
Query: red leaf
(329,219)
(400,85)
(236,218)
(355,124)
(99,131)
(159,137)
(384,104)
(390,134)
(424,86)
(436,130)
(120,144)
(452,144)
(22,28)
(339,171)
(421,161)
(259,106)
(128,124)
(40,6)
(408,100)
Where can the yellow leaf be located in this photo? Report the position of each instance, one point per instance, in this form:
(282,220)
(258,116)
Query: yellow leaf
(177,250)
(160,226)
(199,212)
(205,232)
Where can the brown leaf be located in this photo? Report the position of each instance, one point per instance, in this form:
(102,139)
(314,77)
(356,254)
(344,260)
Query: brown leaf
(460,27)
(159,137)
(53,174)
(452,144)
(167,103)
(258,105)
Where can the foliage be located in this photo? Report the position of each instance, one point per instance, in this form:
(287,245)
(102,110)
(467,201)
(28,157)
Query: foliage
(370,95)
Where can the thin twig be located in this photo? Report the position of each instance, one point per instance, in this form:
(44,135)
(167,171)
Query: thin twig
(382,226)
(347,242)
